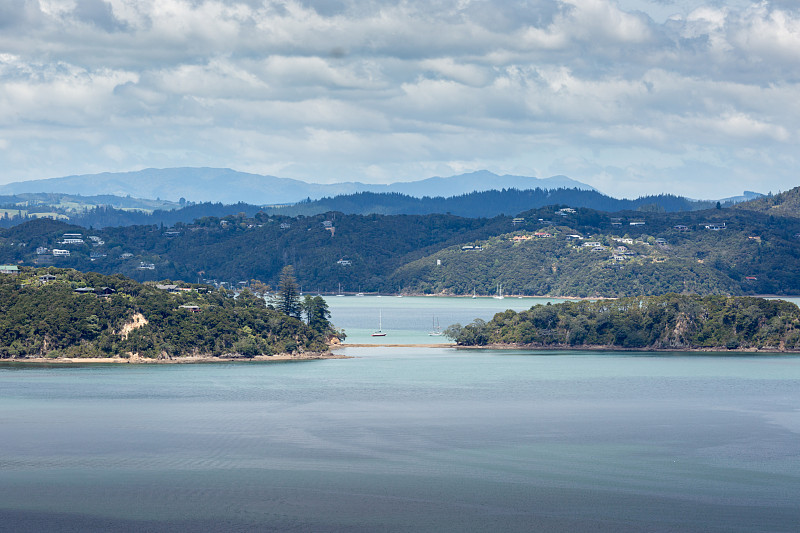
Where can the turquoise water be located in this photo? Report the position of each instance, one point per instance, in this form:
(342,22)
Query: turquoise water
(406,439)
(410,319)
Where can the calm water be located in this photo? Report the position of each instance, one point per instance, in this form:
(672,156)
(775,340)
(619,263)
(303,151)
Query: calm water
(409,319)
(406,439)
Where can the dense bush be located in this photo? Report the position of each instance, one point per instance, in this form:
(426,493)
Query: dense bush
(669,321)
(51,319)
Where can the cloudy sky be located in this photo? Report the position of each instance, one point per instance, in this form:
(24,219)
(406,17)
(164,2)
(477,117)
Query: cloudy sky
(700,98)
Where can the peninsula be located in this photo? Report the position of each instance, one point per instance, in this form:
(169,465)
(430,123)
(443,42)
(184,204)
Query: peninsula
(70,316)
(670,322)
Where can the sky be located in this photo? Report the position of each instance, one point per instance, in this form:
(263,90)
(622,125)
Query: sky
(633,97)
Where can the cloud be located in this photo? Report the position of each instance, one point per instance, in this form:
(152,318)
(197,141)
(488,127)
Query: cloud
(641,92)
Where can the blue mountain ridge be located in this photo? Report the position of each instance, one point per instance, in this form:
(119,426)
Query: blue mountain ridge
(230,186)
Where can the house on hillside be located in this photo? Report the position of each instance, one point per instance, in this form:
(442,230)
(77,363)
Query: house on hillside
(60,253)
(11,270)
(715,227)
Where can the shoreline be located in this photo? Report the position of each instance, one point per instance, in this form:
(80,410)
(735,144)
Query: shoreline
(611,348)
(594,348)
(469,296)
(524,296)
(194,359)
(423,345)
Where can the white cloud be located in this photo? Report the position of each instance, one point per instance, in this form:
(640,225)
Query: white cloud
(643,93)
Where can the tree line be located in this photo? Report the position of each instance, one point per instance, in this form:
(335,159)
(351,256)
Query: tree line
(666,322)
(93,315)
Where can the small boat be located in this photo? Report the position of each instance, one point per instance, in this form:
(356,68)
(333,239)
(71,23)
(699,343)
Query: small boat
(379,333)
(499,295)
(437,330)
(340,291)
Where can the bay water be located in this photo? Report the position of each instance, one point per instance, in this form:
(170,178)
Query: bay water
(406,439)
(411,319)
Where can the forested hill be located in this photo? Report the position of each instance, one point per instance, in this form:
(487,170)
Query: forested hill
(53,312)
(668,322)
(546,251)
(785,204)
(488,203)
(485,204)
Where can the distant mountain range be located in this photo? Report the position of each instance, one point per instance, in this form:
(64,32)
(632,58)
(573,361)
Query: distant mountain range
(229,186)
(105,211)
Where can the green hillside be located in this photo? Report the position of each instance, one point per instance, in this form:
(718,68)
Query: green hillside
(715,251)
(668,322)
(785,204)
(77,314)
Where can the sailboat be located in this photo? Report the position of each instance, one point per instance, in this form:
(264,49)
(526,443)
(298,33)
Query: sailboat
(437,330)
(473,294)
(499,295)
(379,333)
(340,291)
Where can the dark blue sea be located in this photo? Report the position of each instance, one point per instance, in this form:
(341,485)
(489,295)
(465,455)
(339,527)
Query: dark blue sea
(406,439)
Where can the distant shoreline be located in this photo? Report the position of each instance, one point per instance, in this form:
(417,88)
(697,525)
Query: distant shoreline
(594,348)
(423,345)
(612,348)
(311,356)
(520,296)
(484,296)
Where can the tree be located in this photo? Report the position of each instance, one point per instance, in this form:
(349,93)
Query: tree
(317,313)
(287,298)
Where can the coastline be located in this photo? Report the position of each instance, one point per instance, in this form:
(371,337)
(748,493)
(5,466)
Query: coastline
(594,348)
(194,359)
(423,345)
(469,296)
(612,348)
